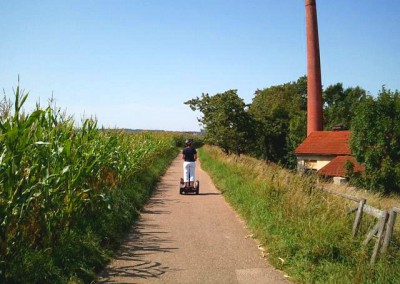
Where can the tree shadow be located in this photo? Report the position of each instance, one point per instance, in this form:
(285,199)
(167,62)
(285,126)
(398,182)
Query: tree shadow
(132,261)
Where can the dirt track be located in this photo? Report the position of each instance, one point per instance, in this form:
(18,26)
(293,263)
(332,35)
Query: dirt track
(189,239)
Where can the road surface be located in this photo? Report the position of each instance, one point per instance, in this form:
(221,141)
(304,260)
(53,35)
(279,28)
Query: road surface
(189,239)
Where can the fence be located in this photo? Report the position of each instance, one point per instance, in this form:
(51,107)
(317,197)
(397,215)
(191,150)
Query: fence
(383,229)
(390,227)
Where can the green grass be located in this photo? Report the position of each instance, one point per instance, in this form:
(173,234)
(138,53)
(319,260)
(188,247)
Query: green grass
(306,232)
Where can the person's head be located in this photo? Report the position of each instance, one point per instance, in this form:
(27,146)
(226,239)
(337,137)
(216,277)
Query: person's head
(188,142)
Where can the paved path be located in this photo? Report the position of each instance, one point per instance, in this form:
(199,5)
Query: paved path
(189,239)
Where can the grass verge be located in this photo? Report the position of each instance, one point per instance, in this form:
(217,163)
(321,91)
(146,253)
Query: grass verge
(306,232)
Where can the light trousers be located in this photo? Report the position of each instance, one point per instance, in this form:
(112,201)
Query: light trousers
(189,171)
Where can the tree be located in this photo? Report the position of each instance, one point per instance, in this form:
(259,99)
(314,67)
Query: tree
(339,105)
(226,122)
(280,112)
(375,140)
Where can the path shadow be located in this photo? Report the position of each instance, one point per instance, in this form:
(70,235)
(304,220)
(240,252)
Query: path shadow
(201,194)
(210,193)
(132,261)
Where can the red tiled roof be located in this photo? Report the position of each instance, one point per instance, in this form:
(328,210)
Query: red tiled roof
(325,143)
(336,168)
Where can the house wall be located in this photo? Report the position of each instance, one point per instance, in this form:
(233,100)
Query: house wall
(312,162)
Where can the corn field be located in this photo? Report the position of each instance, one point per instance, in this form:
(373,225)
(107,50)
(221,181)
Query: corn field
(55,178)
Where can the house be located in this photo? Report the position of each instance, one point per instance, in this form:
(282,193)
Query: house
(326,153)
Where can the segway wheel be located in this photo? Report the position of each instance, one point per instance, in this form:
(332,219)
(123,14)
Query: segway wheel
(181,187)
(197,186)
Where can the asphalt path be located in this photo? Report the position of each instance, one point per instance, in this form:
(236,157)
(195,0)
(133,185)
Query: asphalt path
(189,239)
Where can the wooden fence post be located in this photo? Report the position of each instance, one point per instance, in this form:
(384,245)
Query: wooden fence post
(358,219)
(390,228)
(382,223)
(371,233)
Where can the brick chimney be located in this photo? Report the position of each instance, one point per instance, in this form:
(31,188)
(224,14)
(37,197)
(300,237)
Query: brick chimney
(314,86)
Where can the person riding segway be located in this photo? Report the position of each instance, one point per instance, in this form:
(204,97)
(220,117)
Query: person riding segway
(189,157)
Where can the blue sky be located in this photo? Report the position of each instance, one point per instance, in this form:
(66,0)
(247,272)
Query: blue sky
(132,63)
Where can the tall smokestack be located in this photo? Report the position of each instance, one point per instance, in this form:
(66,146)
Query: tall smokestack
(314,87)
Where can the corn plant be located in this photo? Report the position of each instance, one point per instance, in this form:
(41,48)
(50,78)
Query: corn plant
(53,174)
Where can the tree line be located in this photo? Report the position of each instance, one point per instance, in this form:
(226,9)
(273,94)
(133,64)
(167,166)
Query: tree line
(275,123)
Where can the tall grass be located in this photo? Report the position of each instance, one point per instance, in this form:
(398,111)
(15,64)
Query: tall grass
(306,232)
(67,194)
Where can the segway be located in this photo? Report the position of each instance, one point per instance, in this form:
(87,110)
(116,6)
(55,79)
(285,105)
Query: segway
(189,189)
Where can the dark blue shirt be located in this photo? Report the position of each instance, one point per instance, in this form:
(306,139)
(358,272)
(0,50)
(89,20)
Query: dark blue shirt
(189,153)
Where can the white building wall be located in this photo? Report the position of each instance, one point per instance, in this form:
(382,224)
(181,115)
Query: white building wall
(311,162)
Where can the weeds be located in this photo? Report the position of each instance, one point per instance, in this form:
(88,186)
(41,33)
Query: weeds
(307,232)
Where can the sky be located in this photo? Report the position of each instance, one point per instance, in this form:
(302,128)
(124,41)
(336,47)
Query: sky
(133,63)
